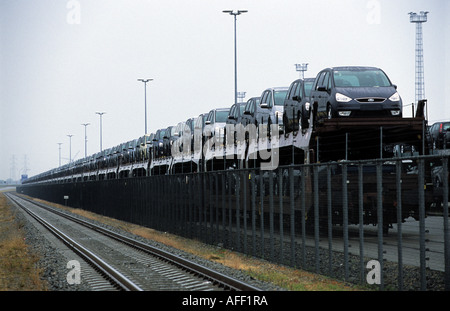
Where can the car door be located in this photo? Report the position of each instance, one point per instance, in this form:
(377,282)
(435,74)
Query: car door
(290,105)
(320,93)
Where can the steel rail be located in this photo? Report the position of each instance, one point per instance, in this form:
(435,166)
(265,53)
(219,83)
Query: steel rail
(110,272)
(207,273)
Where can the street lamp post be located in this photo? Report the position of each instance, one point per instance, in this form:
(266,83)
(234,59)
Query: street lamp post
(145,90)
(101,115)
(70,148)
(85,138)
(235,13)
(301,68)
(60,153)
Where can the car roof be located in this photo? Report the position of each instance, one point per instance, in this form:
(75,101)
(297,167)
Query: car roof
(354,68)
(277,88)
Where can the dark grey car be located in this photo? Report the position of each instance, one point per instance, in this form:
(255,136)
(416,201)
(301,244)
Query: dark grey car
(355,92)
(297,105)
(440,135)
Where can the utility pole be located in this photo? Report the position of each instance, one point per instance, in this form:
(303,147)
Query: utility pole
(59,153)
(235,13)
(419,19)
(101,115)
(145,100)
(70,148)
(85,139)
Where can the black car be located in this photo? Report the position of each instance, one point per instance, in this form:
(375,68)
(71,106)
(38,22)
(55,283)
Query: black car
(355,92)
(440,135)
(158,143)
(250,108)
(236,113)
(297,105)
(168,139)
(234,118)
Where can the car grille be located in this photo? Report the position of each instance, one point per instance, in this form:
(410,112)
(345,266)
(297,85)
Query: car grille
(370,100)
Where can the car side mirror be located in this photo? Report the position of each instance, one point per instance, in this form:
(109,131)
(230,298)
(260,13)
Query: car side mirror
(264,105)
(395,86)
(207,122)
(247,112)
(297,98)
(322,89)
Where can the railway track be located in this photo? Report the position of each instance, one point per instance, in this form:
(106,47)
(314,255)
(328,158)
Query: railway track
(126,263)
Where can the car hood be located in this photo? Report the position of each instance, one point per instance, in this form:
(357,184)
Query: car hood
(361,92)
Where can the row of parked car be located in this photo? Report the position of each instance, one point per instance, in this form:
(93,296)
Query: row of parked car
(338,92)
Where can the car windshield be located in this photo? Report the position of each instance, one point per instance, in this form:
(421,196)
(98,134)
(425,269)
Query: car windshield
(308,87)
(360,78)
(222,115)
(279,97)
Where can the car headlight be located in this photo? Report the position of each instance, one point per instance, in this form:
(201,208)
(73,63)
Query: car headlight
(395,97)
(342,98)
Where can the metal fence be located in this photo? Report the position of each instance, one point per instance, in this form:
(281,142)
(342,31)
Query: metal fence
(381,223)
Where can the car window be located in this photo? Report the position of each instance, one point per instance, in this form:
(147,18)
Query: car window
(280,96)
(308,87)
(211,116)
(247,106)
(326,80)
(320,79)
(293,90)
(269,99)
(360,78)
(232,111)
(222,115)
(241,109)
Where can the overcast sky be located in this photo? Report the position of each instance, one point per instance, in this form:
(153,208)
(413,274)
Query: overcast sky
(61,61)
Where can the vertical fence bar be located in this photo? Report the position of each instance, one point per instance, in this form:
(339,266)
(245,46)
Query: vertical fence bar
(345,218)
(237,188)
(230,208)
(292,214)
(245,184)
(446,227)
(216,182)
(271,210)
(380,219)
(261,193)
(303,216)
(254,186)
(361,222)
(212,235)
(280,197)
(398,181)
(316,218)
(222,177)
(330,221)
(421,183)
(191,205)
